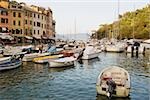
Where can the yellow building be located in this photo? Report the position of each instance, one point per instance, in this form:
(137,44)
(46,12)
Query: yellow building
(17,19)
(28,20)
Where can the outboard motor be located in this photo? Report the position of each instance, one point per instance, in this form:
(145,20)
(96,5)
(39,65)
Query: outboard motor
(111,87)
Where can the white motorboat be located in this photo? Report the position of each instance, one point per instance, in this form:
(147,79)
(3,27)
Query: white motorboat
(90,52)
(120,82)
(10,51)
(10,65)
(5,59)
(117,47)
(62,62)
(30,57)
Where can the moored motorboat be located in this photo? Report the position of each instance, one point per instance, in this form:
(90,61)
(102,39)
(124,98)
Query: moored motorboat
(5,59)
(90,52)
(10,65)
(45,59)
(62,62)
(113,81)
(30,57)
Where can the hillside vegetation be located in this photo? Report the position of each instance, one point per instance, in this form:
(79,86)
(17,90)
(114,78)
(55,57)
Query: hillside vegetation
(129,25)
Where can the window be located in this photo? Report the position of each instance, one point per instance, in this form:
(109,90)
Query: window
(30,14)
(0,29)
(30,31)
(2,13)
(13,31)
(26,14)
(45,26)
(13,6)
(34,32)
(38,16)
(14,14)
(2,20)
(26,31)
(19,23)
(20,7)
(38,24)
(30,22)
(26,22)
(42,25)
(17,31)
(42,17)
(34,23)
(14,22)
(21,31)
(19,14)
(34,15)
(38,32)
(6,20)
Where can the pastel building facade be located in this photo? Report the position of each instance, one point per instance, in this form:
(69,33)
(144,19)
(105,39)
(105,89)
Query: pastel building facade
(4,16)
(16,17)
(22,20)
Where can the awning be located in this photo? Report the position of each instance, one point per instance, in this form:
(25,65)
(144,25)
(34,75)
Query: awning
(29,37)
(6,36)
(51,38)
(37,37)
(44,37)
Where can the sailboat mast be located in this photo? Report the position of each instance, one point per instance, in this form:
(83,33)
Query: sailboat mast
(119,20)
(133,22)
(75,28)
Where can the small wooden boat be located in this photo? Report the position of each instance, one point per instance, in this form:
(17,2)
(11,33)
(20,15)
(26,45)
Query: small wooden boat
(10,65)
(5,59)
(30,57)
(62,62)
(113,81)
(45,59)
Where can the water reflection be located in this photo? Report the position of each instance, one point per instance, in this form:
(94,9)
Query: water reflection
(51,70)
(91,61)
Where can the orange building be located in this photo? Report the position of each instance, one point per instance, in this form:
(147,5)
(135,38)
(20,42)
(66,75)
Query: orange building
(4,20)
(4,16)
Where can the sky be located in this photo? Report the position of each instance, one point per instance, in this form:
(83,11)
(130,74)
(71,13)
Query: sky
(83,16)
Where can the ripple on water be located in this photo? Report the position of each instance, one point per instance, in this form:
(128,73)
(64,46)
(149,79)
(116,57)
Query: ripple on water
(39,82)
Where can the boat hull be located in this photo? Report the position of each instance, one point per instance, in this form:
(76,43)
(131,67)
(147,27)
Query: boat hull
(119,92)
(90,56)
(5,60)
(62,62)
(114,49)
(30,57)
(45,59)
(10,65)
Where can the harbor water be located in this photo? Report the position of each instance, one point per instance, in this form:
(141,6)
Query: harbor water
(39,82)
